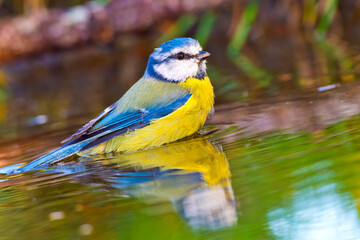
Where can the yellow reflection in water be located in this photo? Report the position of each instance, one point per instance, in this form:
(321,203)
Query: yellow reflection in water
(194,175)
(196,155)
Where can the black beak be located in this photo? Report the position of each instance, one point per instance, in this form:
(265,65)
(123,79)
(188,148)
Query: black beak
(203,55)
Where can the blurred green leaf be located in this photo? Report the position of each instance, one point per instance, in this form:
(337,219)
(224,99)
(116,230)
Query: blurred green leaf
(180,28)
(205,27)
(243,28)
(327,18)
(238,40)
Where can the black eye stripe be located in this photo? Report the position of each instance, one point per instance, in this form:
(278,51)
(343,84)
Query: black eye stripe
(186,56)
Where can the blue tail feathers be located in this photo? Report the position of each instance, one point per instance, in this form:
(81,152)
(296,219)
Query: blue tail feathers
(54,156)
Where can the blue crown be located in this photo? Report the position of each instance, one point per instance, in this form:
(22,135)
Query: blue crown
(177,42)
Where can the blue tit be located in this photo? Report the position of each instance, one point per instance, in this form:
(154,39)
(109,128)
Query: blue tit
(171,101)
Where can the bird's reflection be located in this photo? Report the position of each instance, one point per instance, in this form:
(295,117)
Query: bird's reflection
(193,174)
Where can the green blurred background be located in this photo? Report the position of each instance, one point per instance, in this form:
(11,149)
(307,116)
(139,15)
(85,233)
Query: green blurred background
(260,50)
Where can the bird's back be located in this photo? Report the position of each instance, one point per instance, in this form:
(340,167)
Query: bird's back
(182,122)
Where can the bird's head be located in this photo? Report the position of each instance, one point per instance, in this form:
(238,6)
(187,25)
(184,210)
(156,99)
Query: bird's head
(177,60)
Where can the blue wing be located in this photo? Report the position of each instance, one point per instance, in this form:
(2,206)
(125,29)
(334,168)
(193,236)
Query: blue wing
(113,124)
(145,101)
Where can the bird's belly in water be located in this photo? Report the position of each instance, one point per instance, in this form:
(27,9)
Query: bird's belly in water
(183,122)
(179,124)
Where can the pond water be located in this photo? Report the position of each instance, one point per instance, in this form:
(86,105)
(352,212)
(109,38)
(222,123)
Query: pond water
(297,179)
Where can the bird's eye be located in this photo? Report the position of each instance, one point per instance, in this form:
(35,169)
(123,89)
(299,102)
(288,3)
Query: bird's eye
(180,56)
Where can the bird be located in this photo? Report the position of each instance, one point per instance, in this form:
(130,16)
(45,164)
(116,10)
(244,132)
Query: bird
(172,100)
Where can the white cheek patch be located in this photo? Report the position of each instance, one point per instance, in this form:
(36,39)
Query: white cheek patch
(177,70)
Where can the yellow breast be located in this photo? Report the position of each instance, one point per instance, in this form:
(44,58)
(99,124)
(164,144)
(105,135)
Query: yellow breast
(183,122)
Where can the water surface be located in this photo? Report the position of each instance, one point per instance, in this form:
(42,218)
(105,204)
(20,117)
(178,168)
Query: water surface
(228,183)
